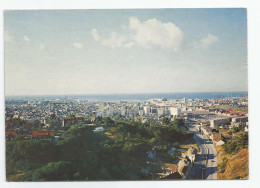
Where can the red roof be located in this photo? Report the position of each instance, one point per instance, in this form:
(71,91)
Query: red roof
(93,119)
(173,168)
(10,132)
(223,131)
(35,134)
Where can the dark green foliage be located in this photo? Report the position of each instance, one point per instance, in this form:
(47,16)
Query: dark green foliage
(86,155)
(166,121)
(235,142)
(54,171)
(71,116)
(108,121)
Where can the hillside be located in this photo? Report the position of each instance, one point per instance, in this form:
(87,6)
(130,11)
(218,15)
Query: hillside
(232,166)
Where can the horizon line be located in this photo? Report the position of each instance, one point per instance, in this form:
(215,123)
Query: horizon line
(125,93)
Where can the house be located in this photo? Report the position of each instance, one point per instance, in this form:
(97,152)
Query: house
(43,134)
(219,121)
(183,166)
(98,129)
(93,119)
(191,154)
(10,134)
(12,123)
(174,176)
(73,121)
(220,143)
(172,168)
(173,172)
(246,128)
(215,137)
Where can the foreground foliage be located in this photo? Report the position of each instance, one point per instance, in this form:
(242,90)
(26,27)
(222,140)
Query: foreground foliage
(119,153)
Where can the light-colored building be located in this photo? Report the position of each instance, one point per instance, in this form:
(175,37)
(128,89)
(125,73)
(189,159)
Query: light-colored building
(220,121)
(147,110)
(175,111)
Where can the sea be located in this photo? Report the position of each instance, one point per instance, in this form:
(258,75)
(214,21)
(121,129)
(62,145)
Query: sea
(134,97)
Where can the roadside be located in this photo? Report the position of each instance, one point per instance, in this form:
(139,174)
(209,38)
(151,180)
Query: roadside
(233,166)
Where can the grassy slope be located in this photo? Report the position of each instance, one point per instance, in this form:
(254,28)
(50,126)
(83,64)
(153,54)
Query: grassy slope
(237,164)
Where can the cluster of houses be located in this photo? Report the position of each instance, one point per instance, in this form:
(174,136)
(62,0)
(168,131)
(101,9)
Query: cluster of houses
(183,168)
(29,130)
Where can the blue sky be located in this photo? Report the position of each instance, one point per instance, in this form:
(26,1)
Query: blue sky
(125,51)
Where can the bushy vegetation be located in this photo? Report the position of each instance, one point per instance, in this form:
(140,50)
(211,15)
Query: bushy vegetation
(235,141)
(119,153)
(222,166)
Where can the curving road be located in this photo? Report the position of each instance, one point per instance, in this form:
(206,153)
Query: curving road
(205,165)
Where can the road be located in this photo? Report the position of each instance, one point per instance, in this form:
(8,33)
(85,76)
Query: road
(205,165)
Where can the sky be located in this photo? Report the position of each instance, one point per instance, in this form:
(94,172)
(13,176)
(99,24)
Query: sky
(125,51)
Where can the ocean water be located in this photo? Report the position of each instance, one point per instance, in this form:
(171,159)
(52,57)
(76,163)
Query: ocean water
(136,97)
(144,97)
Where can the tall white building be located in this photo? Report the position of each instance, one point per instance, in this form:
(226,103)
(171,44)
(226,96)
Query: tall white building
(147,110)
(175,111)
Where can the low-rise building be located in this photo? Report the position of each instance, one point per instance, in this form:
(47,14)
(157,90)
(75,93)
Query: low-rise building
(10,134)
(43,134)
(214,123)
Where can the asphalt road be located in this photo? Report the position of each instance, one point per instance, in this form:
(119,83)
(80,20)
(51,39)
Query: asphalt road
(205,165)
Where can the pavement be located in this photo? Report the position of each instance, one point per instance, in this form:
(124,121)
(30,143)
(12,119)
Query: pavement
(205,165)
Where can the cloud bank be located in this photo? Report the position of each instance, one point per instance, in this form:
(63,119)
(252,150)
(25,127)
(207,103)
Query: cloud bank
(146,34)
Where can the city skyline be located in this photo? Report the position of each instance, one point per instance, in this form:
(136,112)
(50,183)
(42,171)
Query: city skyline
(66,52)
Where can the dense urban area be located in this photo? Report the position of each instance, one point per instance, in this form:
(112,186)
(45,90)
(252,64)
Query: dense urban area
(67,138)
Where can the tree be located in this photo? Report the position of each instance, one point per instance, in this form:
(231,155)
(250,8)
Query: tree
(71,116)
(108,121)
(166,121)
(54,171)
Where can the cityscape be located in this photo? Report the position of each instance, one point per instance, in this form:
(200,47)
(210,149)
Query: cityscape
(149,94)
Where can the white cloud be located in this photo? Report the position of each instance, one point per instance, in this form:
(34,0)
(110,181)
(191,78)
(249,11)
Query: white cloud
(146,34)
(129,44)
(77,45)
(8,37)
(116,40)
(26,38)
(206,42)
(42,46)
(154,32)
(95,34)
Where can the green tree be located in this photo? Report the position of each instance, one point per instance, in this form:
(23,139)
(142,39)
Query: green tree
(54,171)
(108,121)
(165,121)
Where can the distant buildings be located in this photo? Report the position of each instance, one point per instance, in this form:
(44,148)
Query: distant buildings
(73,121)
